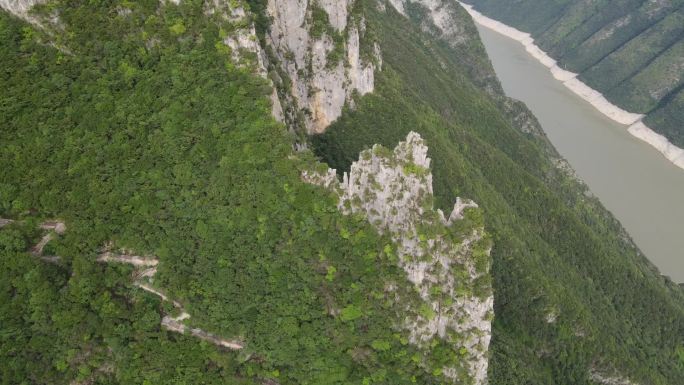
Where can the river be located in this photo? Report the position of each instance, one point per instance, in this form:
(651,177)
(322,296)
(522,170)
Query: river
(633,180)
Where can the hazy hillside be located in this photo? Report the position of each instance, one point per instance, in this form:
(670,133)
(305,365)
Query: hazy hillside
(178,138)
(630,50)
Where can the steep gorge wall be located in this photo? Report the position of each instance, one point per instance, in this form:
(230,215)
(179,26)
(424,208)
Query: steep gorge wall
(442,15)
(450,23)
(319,49)
(244,44)
(318,46)
(19,8)
(629,50)
(447,21)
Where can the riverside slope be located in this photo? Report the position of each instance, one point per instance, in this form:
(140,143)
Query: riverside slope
(619,169)
(636,126)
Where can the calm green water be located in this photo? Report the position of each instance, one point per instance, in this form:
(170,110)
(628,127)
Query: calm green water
(640,187)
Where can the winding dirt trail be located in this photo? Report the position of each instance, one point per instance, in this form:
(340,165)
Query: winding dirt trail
(53,227)
(147,269)
(144,276)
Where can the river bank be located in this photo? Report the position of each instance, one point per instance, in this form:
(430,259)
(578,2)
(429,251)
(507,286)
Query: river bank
(569,79)
(641,188)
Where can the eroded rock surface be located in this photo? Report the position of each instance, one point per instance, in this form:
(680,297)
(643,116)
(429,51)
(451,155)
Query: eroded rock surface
(318,46)
(20,8)
(442,15)
(608,379)
(447,260)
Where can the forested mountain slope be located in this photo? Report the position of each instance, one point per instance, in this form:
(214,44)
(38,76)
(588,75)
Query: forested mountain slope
(151,129)
(137,127)
(573,296)
(632,51)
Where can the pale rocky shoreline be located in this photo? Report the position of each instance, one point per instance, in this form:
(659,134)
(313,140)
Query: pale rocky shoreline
(636,126)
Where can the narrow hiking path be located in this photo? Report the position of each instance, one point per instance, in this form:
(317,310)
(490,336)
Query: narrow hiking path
(53,227)
(146,269)
(145,274)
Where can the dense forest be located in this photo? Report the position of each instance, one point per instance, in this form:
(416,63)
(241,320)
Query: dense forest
(139,131)
(130,122)
(630,50)
(556,250)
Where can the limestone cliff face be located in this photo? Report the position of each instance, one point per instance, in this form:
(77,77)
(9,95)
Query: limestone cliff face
(447,260)
(244,43)
(317,44)
(442,14)
(19,8)
(22,8)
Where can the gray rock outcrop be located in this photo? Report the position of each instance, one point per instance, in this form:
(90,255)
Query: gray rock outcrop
(449,268)
(318,46)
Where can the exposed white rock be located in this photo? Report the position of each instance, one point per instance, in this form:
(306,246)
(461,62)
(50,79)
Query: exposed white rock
(570,80)
(243,39)
(606,379)
(20,8)
(540,55)
(637,128)
(361,76)
(175,324)
(497,26)
(551,316)
(673,153)
(134,260)
(37,250)
(148,288)
(277,109)
(561,74)
(338,11)
(459,209)
(597,100)
(320,87)
(393,189)
(53,227)
(148,273)
(442,14)
(399,6)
